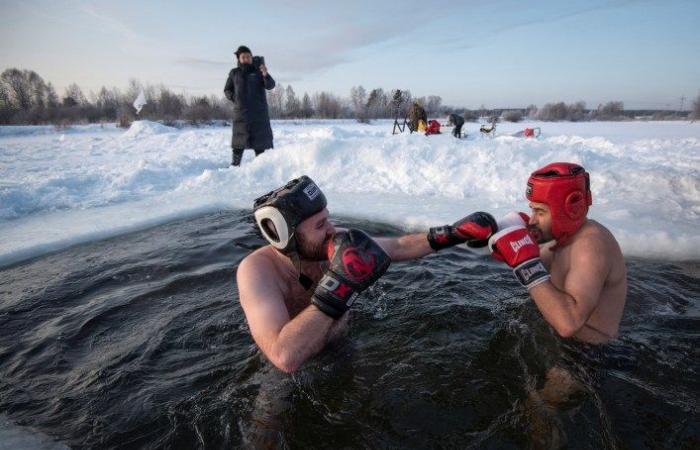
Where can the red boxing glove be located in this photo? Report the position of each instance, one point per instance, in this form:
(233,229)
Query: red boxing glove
(514,246)
(475,229)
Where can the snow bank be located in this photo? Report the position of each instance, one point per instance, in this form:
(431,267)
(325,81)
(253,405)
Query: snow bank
(57,191)
(33,130)
(143,128)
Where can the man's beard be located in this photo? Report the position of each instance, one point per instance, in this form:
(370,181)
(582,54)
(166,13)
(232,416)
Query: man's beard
(540,236)
(311,251)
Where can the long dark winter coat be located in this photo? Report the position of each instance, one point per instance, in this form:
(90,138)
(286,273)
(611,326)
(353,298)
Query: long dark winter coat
(245,87)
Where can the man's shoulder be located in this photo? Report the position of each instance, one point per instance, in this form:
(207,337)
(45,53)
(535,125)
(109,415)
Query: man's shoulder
(595,232)
(258,271)
(257,265)
(594,240)
(260,259)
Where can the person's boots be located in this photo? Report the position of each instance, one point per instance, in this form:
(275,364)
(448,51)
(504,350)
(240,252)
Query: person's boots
(236,156)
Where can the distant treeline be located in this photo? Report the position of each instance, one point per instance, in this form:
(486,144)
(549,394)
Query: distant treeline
(26,98)
(577,112)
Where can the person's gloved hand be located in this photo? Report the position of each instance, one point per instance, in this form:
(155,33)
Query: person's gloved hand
(356,262)
(514,246)
(475,230)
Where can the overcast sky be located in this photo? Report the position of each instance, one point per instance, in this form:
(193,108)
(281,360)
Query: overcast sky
(498,53)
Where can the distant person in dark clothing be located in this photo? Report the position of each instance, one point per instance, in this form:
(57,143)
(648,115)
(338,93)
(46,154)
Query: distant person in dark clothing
(456,121)
(245,87)
(415,115)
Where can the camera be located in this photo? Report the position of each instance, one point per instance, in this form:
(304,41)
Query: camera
(258,61)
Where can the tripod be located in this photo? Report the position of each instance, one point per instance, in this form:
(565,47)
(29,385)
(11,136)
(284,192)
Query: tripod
(401,126)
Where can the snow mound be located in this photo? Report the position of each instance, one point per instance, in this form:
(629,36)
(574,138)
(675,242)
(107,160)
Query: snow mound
(38,130)
(645,178)
(142,128)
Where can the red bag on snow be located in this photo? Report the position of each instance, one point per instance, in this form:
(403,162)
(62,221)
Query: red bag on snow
(433,127)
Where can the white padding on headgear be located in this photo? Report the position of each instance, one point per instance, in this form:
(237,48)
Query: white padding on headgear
(275,216)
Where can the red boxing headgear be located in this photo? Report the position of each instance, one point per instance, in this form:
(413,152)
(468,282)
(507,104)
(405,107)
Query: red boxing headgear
(566,189)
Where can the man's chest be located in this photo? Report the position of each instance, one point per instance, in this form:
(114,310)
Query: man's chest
(560,266)
(297,296)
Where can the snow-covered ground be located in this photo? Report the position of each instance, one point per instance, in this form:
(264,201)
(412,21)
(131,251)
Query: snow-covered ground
(58,188)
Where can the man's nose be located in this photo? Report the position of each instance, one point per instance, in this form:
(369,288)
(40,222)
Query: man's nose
(533,220)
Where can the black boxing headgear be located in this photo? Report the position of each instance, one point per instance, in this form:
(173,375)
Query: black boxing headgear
(278,212)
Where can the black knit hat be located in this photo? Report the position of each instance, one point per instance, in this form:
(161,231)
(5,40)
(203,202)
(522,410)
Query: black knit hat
(242,49)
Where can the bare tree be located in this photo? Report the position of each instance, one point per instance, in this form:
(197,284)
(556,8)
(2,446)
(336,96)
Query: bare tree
(307,109)
(378,104)
(15,88)
(561,111)
(576,112)
(531,111)
(74,96)
(51,96)
(37,88)
(18,88)
(6,110)
(327,105)
(275,101)
(133,90)
(432,106)
(292,106)
(358,98)
(512,116)
(609,111)
(199,110)
(169,105)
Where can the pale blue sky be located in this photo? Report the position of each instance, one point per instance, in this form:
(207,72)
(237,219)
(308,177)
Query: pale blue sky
(498,53)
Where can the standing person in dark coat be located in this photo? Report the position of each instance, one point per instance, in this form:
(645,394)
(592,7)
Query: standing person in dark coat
(457,121)
(246,87)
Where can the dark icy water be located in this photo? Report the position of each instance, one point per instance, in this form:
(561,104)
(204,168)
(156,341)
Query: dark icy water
(140,342)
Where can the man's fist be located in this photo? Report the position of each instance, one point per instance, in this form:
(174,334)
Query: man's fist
(514,246)
(475,229)
(356,262)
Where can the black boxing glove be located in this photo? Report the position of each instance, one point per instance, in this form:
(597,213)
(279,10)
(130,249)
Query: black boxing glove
(356,262)
(475,230)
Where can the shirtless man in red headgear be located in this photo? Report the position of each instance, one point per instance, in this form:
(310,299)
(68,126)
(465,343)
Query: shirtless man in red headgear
(577,277)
